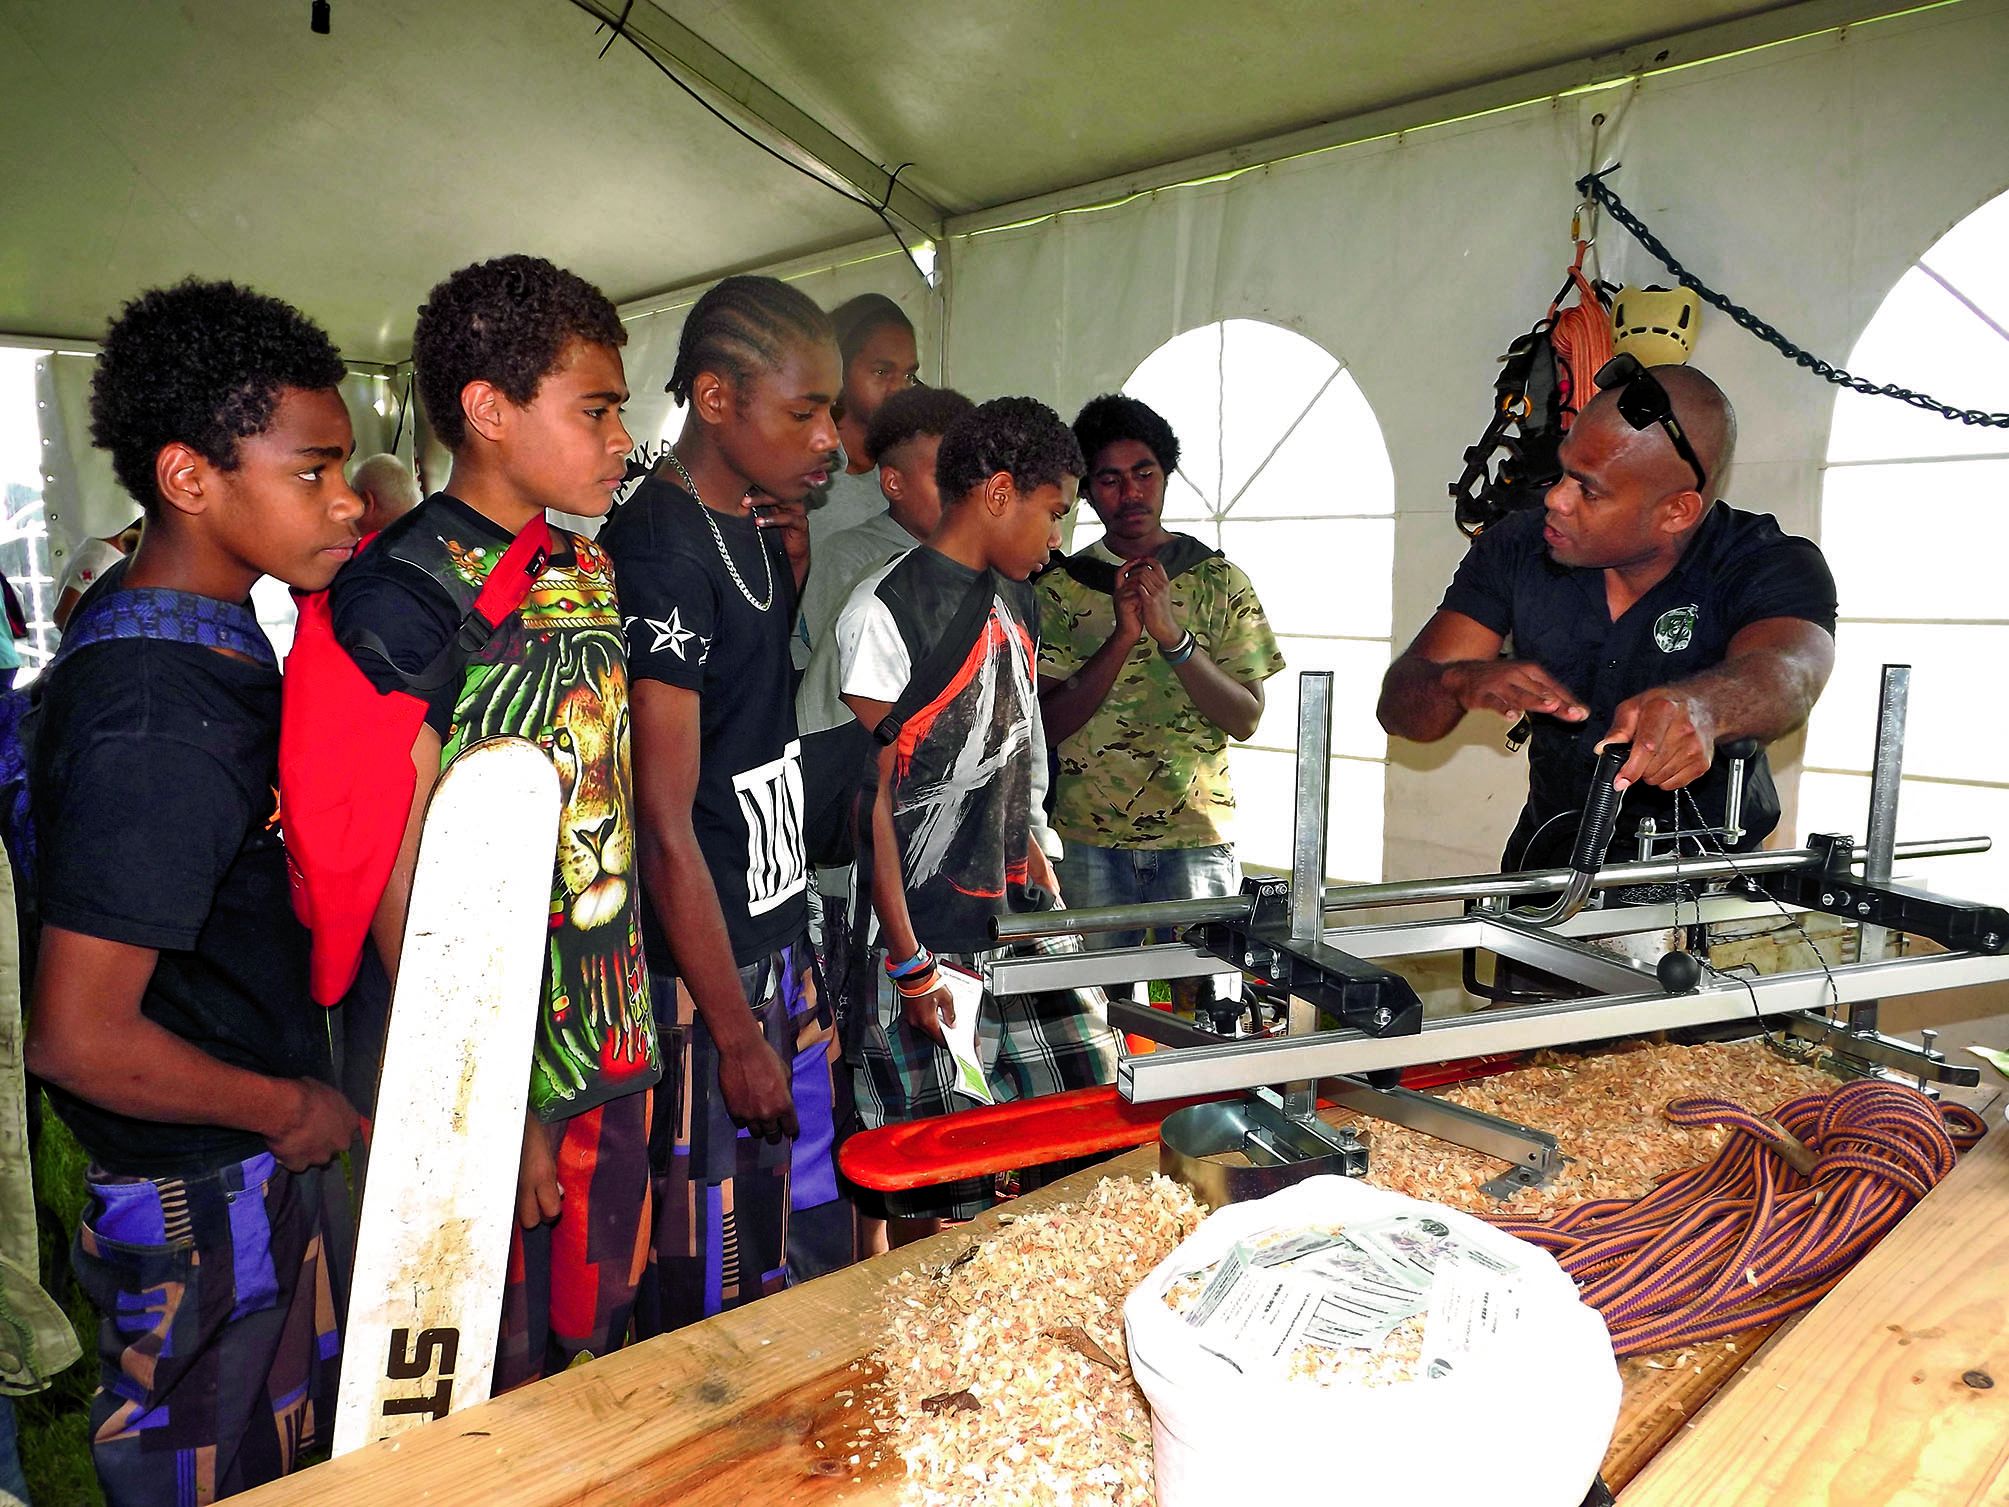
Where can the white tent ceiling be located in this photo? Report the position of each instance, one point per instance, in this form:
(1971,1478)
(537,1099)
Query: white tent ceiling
(141,140)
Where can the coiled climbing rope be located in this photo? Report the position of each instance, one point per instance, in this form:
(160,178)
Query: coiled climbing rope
(1749,1237)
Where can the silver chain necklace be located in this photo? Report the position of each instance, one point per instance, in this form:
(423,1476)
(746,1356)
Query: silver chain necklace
(718,538)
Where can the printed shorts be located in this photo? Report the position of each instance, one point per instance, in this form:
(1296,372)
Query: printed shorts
(571,1288)
(722,1194)
(219,1344)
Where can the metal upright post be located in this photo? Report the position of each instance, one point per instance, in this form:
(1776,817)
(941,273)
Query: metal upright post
(1886,772)
(1314,778)
(1314,775)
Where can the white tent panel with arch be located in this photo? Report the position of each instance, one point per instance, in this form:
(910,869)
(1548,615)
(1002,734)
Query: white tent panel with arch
(1282,467)
(1911,507)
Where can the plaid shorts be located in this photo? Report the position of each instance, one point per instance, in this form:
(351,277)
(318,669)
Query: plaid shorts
(721,1194)
(219,1346)
(1029,1045)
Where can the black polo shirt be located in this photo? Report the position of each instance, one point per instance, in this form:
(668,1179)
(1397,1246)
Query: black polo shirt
(1739,568)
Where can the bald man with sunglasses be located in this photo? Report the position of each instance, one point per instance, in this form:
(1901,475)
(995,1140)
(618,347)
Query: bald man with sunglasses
(1638,610)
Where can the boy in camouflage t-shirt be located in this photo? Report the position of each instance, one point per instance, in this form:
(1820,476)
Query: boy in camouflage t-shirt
(1154,650)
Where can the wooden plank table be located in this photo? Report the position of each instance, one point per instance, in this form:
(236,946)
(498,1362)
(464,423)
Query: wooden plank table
(763,1405)
(1893,1392)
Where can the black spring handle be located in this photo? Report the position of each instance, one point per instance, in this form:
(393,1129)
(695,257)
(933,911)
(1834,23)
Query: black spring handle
(1600,811)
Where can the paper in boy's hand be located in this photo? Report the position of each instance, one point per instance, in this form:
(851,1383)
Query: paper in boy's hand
(967,990)
(1999,1060)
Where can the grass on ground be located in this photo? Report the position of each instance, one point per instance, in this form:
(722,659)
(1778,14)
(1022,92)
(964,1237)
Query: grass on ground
(55,1424)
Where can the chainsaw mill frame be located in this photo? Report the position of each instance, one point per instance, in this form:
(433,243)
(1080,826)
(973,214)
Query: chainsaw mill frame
(1349,1015)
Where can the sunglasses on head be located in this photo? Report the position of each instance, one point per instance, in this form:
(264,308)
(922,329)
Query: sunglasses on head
(1643,401)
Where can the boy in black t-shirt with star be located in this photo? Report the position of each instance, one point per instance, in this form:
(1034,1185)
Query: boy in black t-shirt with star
(518,364)
(712,550)
(171,1018)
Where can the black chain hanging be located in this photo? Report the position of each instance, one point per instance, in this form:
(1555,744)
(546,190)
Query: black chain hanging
(1592,185)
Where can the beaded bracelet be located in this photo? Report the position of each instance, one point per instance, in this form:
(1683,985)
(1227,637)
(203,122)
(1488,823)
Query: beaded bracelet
(920,960)
(1180,652)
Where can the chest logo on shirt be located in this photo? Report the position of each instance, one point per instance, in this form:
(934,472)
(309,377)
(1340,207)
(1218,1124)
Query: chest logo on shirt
(770,802)
(670,633)
(1674,629)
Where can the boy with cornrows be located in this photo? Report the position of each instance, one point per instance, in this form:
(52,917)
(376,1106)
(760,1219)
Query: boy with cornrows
(712,549)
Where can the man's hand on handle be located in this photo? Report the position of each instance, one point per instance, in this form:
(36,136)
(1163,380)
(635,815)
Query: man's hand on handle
(1673,738)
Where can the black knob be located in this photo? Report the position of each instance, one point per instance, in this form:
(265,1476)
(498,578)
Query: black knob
(1678,972)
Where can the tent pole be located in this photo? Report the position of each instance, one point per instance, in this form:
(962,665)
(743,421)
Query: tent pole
(697,62)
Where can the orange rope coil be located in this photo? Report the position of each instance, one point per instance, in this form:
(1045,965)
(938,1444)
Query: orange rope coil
(1581,335)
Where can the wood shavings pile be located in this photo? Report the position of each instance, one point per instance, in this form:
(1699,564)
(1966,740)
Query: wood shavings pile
(1005,1376)
(1604,1112)
(1005,1373)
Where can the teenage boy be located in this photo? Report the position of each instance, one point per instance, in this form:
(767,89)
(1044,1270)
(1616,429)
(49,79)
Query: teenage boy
(712,548)
(518,364)
(953,839)
(905,437)
(171,1019)
(902,443)
(875,344)
(1153,653)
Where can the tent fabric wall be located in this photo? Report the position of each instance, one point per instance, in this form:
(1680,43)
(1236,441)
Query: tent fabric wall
(1804,179)
(81,499)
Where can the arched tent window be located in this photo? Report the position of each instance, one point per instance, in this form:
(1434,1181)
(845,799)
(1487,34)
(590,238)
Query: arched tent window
(1911,509)
(1283,467)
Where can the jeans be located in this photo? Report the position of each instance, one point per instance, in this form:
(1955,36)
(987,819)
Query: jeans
(1091,876)
(12,1482)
